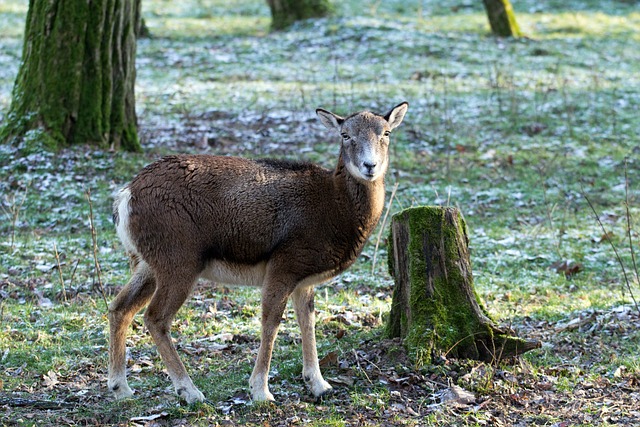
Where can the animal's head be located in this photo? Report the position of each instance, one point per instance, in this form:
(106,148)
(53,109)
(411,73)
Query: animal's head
(365,139)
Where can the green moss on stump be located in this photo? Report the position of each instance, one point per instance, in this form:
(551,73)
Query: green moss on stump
(435,307)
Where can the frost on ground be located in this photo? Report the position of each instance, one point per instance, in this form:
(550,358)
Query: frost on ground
(514,133)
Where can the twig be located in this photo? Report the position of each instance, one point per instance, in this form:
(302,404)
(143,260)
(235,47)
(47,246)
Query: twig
(64,291)
(73,273)
(360,367)
(615,251)
(384,222)
(94,239)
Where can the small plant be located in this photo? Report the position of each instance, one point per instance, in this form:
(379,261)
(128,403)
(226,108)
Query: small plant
(607,234)
(94,241)
(12,206)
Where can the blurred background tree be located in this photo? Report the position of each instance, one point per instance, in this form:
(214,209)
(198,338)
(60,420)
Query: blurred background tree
(286,12)
(76,79)
(502,18)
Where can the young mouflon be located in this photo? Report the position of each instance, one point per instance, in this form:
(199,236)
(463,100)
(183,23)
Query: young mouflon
(278,225)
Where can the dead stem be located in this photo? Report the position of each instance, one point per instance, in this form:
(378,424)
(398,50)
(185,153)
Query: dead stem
(13,212)
(615,251)
(94,240)
(628,215)
(384,222)
(64,291)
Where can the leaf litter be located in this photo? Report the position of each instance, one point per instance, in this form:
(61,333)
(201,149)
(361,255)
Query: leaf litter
(590,375)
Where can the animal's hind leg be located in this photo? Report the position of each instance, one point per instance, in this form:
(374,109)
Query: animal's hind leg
(305,313)
(133,297)
(173,288)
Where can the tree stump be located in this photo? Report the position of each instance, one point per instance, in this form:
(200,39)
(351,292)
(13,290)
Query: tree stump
(435,308)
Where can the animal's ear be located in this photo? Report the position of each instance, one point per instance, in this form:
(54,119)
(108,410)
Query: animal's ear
(330,120)
(395,116)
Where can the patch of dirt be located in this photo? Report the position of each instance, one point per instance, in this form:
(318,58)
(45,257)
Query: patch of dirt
(271,132)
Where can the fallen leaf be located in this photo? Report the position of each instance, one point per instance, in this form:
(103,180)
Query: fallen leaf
(331,359)
(341,380)
(456,395)
(149,417)
(619,372)
(222,337)
(576,323)
(606,236)
(568,268)
(50,379)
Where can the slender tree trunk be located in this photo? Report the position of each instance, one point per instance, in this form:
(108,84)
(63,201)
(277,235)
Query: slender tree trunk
(502,18)
(286,12)
(435,307)
(76,80)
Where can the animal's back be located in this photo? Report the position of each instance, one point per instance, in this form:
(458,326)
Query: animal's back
(242,209)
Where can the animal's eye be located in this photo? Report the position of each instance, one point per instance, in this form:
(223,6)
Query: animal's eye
(387,133)
(345,136)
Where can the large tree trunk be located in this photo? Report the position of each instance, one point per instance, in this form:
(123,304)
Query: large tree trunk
(76,80)
(286,12)
(501,18)
(435,307)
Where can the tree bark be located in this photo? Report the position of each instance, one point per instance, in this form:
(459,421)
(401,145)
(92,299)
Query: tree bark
(435,307)
(502,18)
(76,80)
(286,12)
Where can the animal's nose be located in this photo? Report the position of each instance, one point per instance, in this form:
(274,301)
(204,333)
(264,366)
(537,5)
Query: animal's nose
(370,166)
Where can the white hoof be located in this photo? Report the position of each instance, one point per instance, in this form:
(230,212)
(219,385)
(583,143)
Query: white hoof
(190,394)
(318,386)
(260,388)
(120,390)
(262,396)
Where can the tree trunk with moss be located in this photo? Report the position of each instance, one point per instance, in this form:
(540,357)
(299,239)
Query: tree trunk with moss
(286,12)
(502,18)
(435,307)
(76,80)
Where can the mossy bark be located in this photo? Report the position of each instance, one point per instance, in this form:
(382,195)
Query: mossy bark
(286,12)
(76,80)
(502,19)
(435,307)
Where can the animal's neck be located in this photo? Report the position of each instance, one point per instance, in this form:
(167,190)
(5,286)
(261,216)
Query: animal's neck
(365,198)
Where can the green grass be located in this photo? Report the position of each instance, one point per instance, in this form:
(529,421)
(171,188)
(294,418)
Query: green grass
(513,132)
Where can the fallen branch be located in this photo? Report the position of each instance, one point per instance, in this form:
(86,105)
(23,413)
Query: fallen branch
(17,402)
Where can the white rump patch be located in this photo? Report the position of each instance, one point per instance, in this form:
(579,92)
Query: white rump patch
(121,206)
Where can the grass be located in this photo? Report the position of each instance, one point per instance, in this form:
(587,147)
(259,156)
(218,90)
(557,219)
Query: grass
(513,132)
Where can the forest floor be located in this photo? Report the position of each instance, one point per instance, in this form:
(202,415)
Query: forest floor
(521,135)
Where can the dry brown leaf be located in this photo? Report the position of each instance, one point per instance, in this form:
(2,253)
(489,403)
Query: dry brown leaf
(456,395)
(331,359)
(50,379)
(568,268)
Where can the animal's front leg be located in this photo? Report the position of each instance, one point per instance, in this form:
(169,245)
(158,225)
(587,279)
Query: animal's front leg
(305,313)
(274,301)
